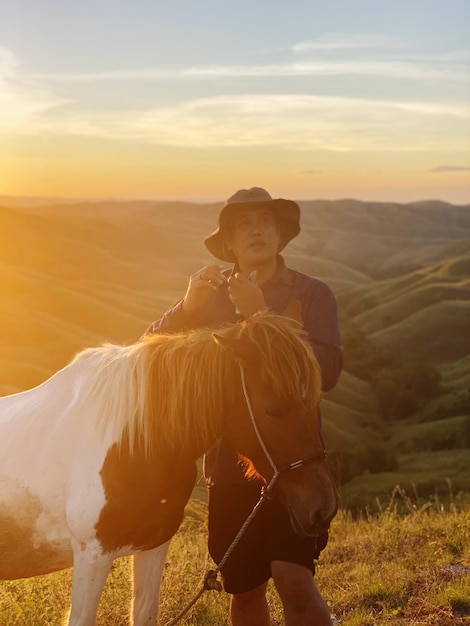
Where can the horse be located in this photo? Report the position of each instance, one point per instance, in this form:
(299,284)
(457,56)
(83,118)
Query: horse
(99,461)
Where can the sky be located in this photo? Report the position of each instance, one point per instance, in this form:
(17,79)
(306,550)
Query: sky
(192,100)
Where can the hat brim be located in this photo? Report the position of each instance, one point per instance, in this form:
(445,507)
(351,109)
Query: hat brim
(287,213)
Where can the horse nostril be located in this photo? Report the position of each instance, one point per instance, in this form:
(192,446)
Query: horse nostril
(325,515)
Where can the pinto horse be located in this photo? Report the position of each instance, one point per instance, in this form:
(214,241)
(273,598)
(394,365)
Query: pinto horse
(99,461)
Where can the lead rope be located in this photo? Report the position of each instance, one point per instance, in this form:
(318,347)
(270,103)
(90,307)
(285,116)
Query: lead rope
(210,578)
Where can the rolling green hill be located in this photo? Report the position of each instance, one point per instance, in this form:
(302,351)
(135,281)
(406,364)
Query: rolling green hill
(77,274)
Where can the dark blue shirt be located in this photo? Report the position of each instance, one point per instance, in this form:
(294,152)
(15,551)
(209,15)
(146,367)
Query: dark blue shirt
(319,318)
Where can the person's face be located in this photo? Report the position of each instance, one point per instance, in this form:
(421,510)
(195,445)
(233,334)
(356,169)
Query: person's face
(254,236)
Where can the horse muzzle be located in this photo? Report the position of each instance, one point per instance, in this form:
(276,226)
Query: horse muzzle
(311,505)
(310,527)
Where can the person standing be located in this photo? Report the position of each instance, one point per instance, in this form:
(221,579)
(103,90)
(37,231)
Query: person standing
(253,229)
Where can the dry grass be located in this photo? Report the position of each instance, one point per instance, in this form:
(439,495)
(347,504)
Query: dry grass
(408,569)
(400,569)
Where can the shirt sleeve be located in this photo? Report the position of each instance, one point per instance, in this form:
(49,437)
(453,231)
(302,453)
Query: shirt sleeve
(174,320)
(320,320)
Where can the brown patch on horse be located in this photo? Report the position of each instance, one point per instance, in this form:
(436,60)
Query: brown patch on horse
(145,496)
(24,551)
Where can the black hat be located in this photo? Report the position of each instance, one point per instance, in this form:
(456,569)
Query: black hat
(287,213)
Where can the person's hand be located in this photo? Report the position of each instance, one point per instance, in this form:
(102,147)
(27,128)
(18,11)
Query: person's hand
(201,285)
(245,294)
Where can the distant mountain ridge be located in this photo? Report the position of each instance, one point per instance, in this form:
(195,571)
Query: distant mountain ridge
(136,256)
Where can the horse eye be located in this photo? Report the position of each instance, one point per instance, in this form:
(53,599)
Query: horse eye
(275,410)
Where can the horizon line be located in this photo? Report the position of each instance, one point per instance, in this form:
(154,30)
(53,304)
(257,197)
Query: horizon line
(138,198)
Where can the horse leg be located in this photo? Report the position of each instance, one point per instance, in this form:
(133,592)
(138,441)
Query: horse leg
(148,570)
(89,577)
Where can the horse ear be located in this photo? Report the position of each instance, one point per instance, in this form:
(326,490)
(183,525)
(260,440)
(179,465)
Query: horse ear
(294,311)
(239,349)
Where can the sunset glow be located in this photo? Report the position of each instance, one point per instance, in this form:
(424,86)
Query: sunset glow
(155,100)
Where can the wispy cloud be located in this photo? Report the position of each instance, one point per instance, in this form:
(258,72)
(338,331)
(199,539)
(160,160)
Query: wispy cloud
(288,121)
(29,104)
(9,63)
(341,42)
(331,55)
(450,168)
(407,69)
(112,75)
(22,97)
(423,68)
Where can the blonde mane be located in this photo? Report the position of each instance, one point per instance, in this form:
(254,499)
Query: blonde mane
(156,388)
(287,364)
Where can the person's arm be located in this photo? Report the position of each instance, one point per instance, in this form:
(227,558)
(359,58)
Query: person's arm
(182,315)
(174,320)
(320,320)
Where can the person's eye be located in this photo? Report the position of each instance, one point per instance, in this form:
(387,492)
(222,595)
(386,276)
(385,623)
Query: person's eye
(268,220)
(243,223)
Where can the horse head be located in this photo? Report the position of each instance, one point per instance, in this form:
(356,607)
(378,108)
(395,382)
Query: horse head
(275,422)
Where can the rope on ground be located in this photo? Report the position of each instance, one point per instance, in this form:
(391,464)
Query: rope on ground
(210,578)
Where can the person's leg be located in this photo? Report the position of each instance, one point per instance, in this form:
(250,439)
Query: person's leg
(250,608)
(293,567)
(302,602)
(247,570)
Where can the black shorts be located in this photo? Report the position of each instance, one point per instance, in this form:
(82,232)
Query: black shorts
(269,537)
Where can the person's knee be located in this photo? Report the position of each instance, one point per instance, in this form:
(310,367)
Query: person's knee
(292,579)
(298,592)
(249,600)
(250,608)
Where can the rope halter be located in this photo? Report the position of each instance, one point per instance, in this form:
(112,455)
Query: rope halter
(320,455)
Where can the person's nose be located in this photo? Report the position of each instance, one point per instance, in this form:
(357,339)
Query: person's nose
(257,226)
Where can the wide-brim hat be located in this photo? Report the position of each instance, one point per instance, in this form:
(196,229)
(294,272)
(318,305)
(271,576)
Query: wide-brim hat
(287,213)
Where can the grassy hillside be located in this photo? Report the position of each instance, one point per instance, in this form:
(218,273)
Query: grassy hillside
(406,570)
(76,274)
(391,301)
(438,333)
